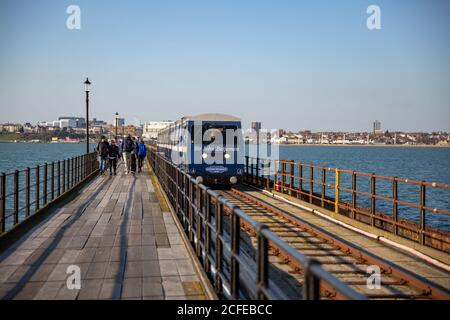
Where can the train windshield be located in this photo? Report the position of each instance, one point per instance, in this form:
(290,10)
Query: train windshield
(219,134)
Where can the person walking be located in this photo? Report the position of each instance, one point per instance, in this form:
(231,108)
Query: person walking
(127,147)
(142,153)
(102,151)
(114,154)
(134,156)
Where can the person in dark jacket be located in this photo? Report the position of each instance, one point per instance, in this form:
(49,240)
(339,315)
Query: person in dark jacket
(102,151)
(134,156)
(114,154)
(127,147)
(142,153)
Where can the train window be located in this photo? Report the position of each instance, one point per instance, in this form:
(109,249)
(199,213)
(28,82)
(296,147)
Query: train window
(213,132)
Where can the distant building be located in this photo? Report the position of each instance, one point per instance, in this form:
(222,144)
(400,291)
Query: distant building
(10,127)
(280,132)
(152,128)
(256,126)
(120,122)
(97,123)
(75,122)
(377,127)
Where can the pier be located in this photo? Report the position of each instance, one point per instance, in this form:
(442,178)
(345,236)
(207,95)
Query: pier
(298,232)
(115,231)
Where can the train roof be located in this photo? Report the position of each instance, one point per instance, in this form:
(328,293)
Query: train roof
(211,117)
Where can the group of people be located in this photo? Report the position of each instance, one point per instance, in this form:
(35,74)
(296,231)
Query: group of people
(131,150)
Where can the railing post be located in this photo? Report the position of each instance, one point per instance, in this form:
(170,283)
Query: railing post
(300,180)
(395,205)
(353,216)
(3,202)
(311,183)
(252,168)
(83,167)
(322,202)
(63,177)
(44,186)
(36,193)
(311,286)
(72,171)
(269,163)
(191,216)
(291,178)
(283,176)
(275,176)
(27,191)
(235,239)
(207,229)
(263,263)
(372,199)
(75,171)
(58,181)
(198,226)
(246,168)
(422,212)
(336,189)
(257,171)
(52,181)
(219,248)
(16,197)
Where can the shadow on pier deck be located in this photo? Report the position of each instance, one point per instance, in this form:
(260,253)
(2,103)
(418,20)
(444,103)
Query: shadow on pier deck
(124,244)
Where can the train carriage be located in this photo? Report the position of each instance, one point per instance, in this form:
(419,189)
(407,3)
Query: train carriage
(209,147)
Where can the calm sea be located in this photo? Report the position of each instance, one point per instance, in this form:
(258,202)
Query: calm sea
(430,164)
(21,155)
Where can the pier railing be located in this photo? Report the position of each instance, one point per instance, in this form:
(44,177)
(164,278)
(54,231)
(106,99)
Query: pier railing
(396,205)
(213,226)
(25,192)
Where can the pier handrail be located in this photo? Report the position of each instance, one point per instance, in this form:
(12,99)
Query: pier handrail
(25,192)
(235,275)
(355,195)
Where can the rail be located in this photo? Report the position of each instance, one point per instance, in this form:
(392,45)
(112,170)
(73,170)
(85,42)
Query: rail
(217,241)
(361,196)
(25,192)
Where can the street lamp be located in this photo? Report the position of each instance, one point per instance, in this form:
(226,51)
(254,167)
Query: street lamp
(117,120)
(86,88)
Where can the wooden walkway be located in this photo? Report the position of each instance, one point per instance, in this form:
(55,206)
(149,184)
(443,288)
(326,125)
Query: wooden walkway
(125,246)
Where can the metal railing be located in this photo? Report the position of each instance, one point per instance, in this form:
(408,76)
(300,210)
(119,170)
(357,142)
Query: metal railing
(25,192)
(213,226)
(361,196)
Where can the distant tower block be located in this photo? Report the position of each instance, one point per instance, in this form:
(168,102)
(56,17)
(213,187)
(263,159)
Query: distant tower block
(377,127)
(256,126)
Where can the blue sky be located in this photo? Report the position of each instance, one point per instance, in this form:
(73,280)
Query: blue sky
(290,64)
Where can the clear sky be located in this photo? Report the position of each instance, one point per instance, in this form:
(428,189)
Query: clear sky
(290,64)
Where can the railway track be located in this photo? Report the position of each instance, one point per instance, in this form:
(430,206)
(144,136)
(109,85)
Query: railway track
(347,262)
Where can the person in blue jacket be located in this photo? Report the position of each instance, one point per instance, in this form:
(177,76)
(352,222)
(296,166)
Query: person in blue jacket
(142,153)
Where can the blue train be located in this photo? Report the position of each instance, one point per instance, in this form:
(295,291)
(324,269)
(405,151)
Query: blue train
(210,147)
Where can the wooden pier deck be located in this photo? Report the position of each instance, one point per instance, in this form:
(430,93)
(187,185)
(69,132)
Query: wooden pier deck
(124,244)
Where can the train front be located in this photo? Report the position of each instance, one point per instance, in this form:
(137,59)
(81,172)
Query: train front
(217,152)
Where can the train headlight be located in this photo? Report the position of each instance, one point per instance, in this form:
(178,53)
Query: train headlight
(227,156)
(233,180)
(204,155)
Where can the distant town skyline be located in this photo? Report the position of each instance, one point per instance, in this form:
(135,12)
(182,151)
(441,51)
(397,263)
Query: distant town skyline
(292,65)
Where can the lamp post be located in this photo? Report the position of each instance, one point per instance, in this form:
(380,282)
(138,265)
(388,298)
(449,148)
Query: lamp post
(86,88)
(117,120)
